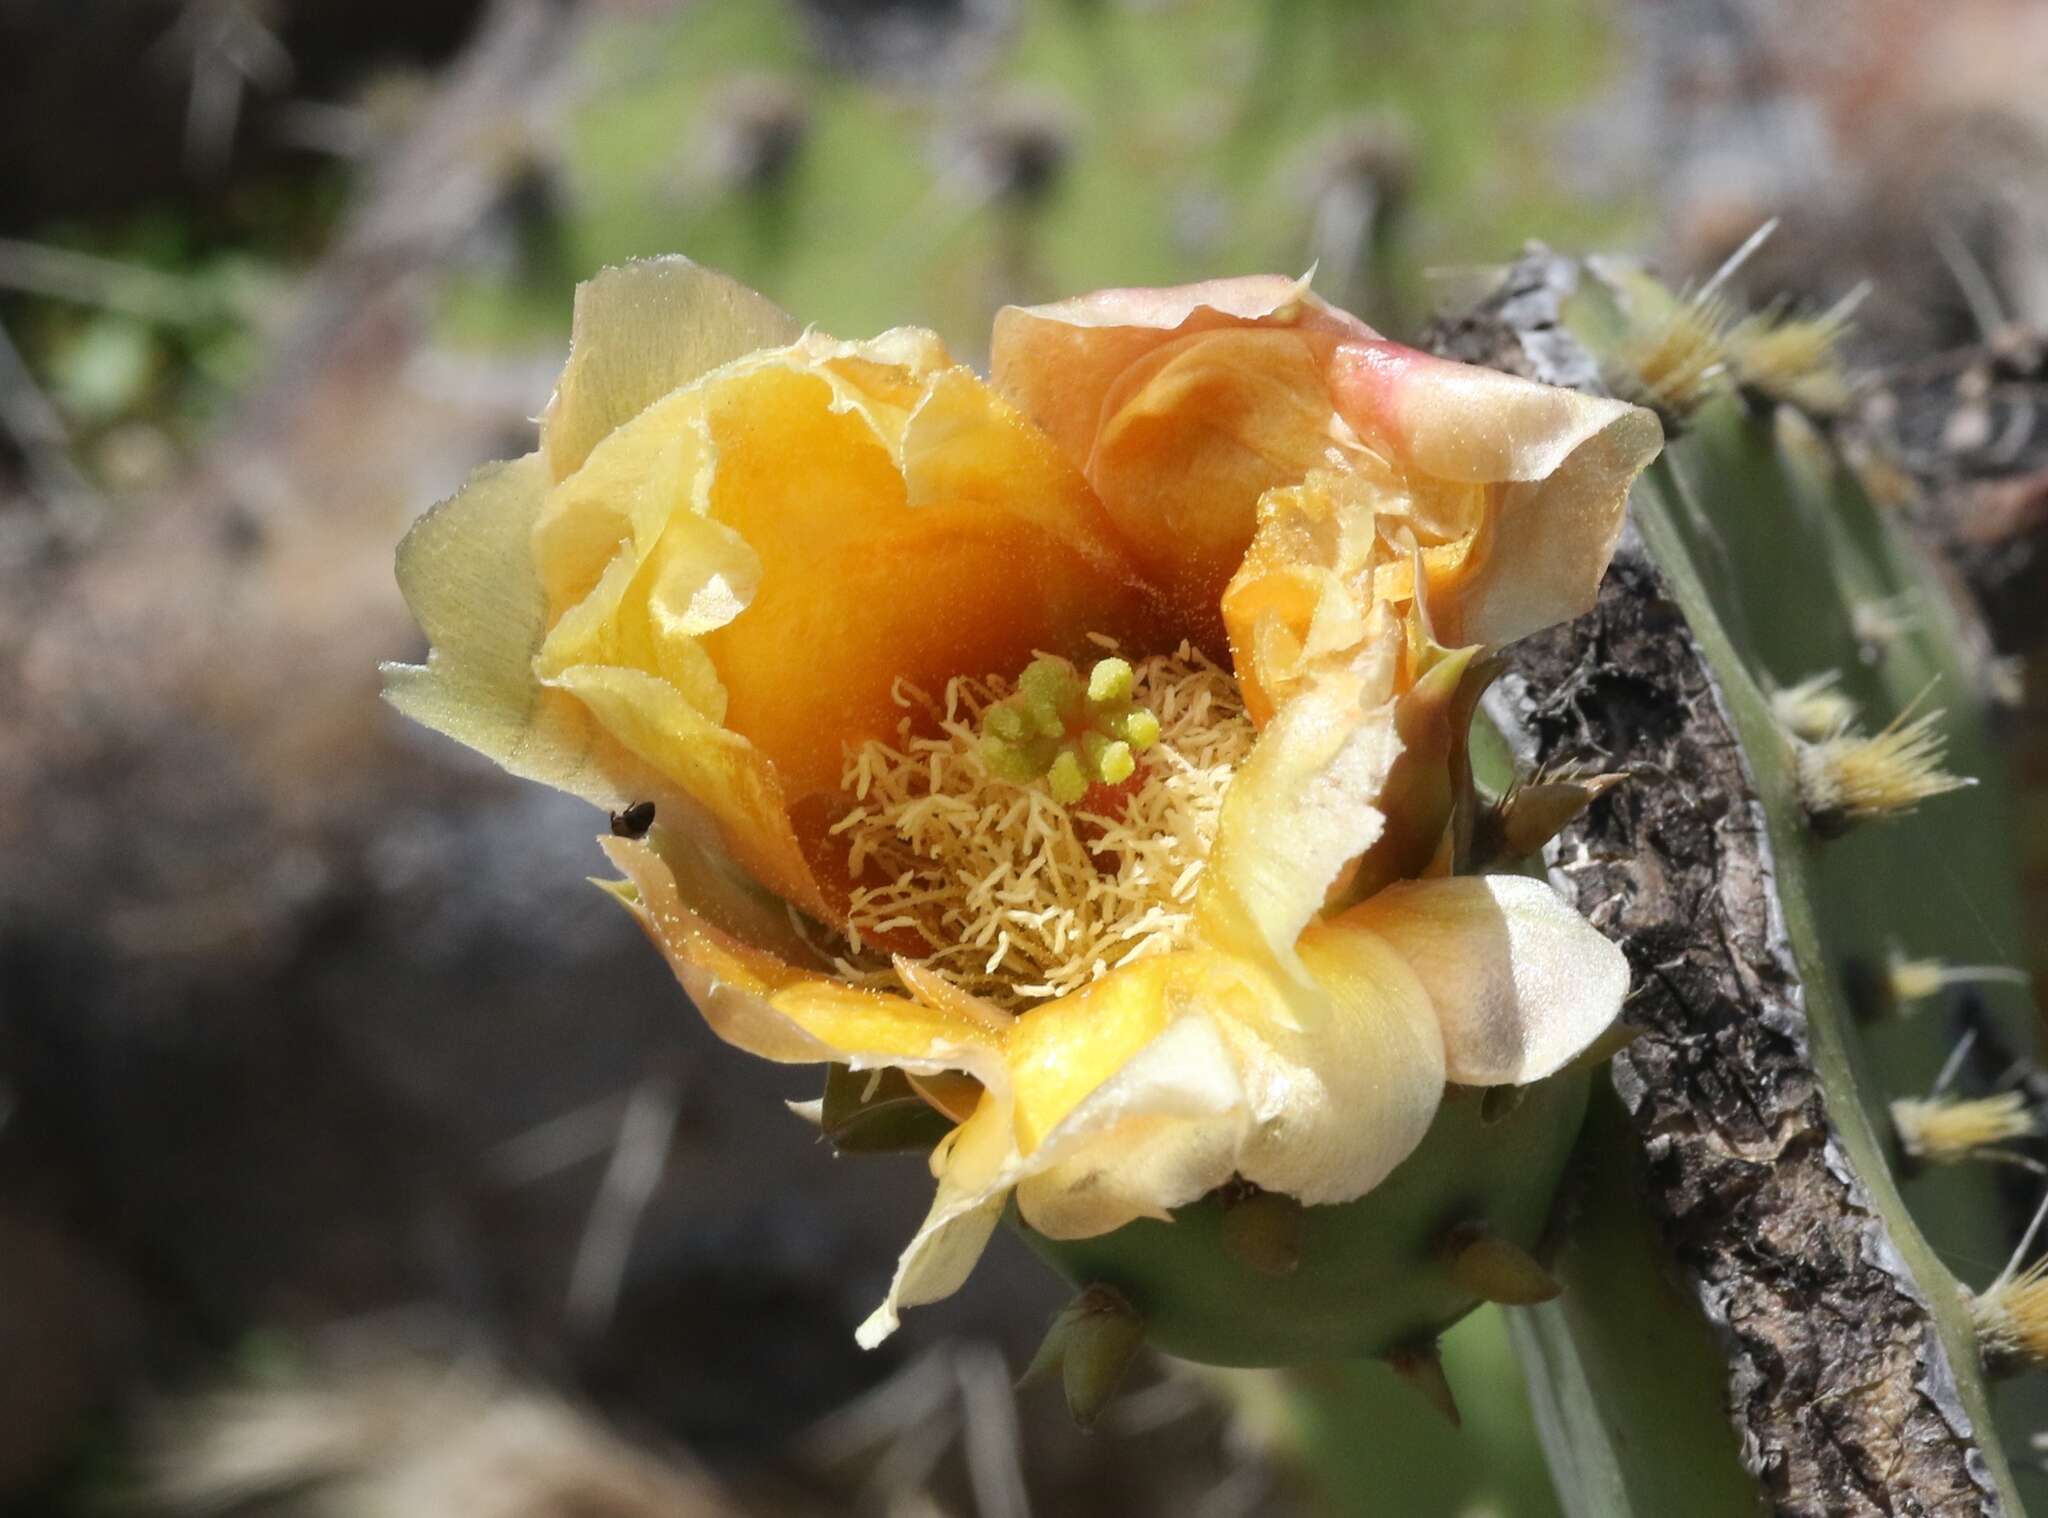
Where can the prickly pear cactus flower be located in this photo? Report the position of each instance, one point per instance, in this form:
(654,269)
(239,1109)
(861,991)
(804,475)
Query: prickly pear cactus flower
(1084,745)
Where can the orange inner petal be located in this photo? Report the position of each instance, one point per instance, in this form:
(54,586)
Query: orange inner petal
(1192,435)
(859,589)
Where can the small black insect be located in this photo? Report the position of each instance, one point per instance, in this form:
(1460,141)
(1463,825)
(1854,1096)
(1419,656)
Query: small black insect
(634,821)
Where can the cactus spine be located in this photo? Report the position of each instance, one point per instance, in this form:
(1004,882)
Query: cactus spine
(1754,1113)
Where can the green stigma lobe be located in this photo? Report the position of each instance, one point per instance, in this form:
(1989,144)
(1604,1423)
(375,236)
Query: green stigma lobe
(1110,680)
(1069,783)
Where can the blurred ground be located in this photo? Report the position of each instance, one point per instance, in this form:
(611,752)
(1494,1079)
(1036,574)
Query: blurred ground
(309,1020)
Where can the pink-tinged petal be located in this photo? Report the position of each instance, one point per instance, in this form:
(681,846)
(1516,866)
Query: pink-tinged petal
(1192,435)
(1166,308)
(1557,467)
(1056,362)
(1521,982)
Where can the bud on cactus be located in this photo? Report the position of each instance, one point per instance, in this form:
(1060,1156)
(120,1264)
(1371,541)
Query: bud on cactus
(1091,1345)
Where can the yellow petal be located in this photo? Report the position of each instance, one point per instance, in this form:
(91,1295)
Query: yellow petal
(640,331)
(972,1163)
(604,534)
(1346,1093)
(1062,1055)
(466,570)
(949,1093)
(1556,465)
(743,572)
(650,719)
(1166,1129)
(935,990)
(1301,809)
(769,1006)
(636,574)
(1128,1084)
(1521,982)
(1154,1085)
(859,587)
(1305,591)
(1304,602)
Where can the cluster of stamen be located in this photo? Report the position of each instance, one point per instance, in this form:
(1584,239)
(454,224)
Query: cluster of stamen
(1027,838)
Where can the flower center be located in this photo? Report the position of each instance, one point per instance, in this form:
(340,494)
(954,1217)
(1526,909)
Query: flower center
(1027,838)
(1074,734)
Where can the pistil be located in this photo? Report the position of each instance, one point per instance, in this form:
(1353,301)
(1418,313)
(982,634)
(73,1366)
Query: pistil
(1070,732)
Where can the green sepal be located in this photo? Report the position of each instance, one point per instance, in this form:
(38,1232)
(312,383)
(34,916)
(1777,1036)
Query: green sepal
(1092,1344)
(877,1112)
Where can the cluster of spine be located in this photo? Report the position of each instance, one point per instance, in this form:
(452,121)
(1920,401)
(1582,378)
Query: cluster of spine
(2001,1126)
(1847,776)
(1942,1128)
(1677,352)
